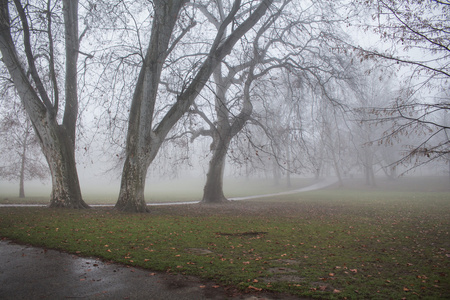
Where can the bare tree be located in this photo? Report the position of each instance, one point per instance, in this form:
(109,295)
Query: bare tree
(144,137)
(370,89)
(418,33)
(40,92)
(231,115)
(19,148)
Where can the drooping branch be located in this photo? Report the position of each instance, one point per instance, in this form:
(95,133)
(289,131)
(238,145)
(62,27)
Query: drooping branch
(402,60)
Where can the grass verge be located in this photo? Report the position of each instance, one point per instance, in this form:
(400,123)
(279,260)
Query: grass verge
(331,244)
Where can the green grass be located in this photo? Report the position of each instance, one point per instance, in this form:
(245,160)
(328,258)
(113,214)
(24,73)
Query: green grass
(332,244)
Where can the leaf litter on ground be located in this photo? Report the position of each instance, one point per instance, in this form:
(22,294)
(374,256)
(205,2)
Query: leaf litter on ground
(319,244)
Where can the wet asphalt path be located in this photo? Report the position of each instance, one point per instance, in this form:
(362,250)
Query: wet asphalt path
(36,273)
(30,273)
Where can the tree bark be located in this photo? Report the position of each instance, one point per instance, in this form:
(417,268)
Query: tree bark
(213,190)
(337,169)
(66,192)
(131,197)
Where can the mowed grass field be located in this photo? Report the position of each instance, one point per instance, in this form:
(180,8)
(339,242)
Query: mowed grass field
(389,242)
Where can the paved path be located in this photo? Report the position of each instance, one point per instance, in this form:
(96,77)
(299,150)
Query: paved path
(317,186)
(35,273)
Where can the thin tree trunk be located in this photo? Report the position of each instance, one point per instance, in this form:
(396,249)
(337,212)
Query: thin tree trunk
(22,164)
(337,170)
(288,171)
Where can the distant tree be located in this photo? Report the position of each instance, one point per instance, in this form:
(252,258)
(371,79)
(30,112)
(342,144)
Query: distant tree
(418,33)
(230,114)
(284,115)
(371,89)
(300,40)
(20,155)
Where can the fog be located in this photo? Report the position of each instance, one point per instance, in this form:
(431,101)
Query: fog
(100,187)
(277,96)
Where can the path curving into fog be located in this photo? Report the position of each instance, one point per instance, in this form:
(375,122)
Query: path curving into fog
(317,186)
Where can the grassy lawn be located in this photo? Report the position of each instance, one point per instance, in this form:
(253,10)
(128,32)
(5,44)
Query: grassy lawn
(387,243)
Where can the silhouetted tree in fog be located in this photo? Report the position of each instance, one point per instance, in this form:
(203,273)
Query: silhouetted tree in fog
(21,158)
(418,33)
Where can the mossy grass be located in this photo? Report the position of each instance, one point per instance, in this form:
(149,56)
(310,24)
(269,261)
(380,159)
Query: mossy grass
(331,244)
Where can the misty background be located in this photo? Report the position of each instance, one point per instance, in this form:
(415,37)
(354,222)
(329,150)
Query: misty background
(344,97)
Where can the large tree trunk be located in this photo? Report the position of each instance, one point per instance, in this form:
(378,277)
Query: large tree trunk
(131,197)
(66,192)
(213,191)
(288,169)
(276,172)
(337,169)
